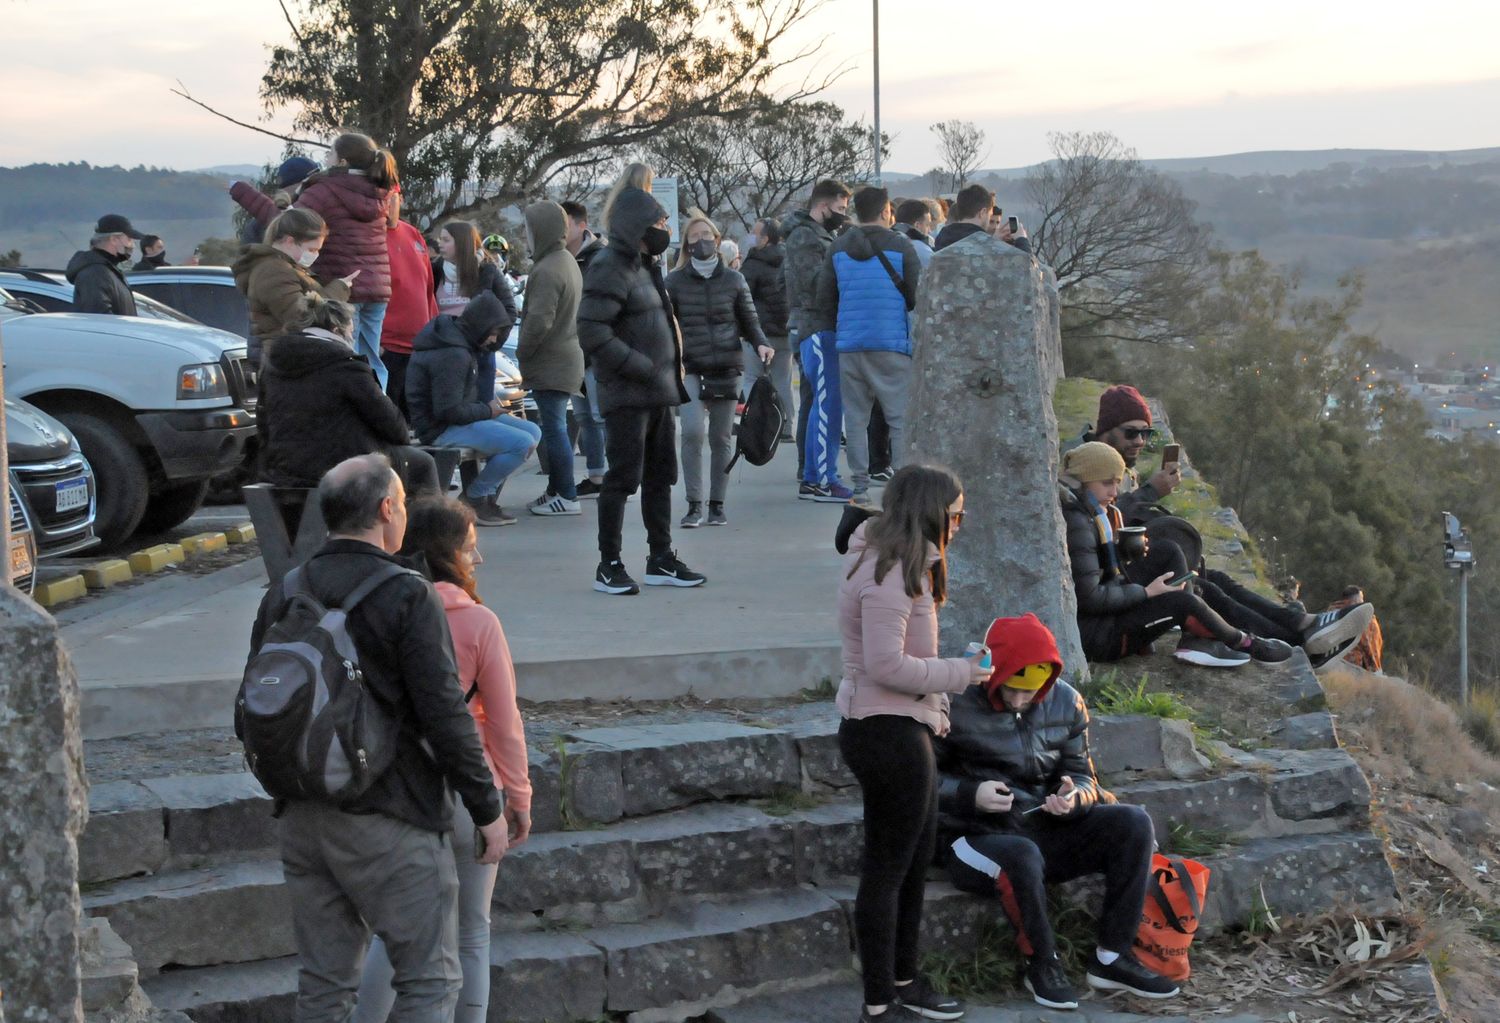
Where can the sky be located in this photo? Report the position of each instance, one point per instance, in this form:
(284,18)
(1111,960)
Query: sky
(1172,78)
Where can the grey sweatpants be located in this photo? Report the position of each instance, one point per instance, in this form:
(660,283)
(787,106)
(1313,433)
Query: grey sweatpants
(718,415)
(348,874)
(867,378)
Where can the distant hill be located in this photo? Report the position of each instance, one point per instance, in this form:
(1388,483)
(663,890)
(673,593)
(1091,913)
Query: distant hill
(1292,161)
(237,171)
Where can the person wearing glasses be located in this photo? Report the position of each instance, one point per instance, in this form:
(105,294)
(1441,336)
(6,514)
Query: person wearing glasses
(1124,423)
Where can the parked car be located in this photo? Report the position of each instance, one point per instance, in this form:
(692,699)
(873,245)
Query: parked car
(157,407)
(53,478)
(22,551)
(52,293)
(206,293)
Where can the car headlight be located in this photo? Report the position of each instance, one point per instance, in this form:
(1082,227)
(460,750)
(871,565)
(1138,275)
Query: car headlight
(202,381)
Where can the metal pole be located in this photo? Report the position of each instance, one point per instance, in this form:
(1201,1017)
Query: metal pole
(877,91)
(1463,637)
(4,495)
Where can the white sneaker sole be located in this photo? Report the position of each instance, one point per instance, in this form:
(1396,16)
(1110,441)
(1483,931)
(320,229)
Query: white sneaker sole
(926,1013)
(1105,984)
(690,525)
(549,511)
(616,590)
(1351,626)
(672,580)
(1206,660)
(1047,1002)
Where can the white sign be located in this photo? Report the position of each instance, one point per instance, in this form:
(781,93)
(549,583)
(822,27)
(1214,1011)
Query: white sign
(665,192)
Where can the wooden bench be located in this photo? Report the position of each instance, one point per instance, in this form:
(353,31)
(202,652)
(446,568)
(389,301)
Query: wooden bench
(288,523)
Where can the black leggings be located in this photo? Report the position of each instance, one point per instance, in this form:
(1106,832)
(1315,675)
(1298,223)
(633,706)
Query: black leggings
(1238,605)
(892,757)
(1131,630)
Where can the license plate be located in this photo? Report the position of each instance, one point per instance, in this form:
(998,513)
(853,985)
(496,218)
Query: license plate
(72,494)
(20,557)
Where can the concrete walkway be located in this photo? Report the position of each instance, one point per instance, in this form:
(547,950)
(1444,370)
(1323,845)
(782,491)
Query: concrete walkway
(170,657)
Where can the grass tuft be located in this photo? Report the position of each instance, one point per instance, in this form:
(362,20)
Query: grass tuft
(788,802)
(1122,698)
(823,691)
(1186,840)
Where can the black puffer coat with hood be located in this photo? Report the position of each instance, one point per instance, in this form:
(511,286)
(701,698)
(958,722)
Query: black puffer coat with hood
(625,321)
(442,379)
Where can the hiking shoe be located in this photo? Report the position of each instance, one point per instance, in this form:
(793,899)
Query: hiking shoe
(1331,628)
(1048,984)
(554,504)
(487,512)
(920,998)
(1127,974)
(1208,653)
(589,489)
(811,491)
(1269,651)
(694,517)
(716,515)
(666,570)
(611,577)
(882,477)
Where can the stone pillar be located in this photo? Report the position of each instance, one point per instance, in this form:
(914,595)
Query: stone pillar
(43,805)
(988,356)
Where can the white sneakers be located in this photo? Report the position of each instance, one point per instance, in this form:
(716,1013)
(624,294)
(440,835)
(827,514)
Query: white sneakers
(552,504)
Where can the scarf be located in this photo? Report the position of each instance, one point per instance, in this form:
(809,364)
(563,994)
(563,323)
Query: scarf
(704,267)
(1107,519)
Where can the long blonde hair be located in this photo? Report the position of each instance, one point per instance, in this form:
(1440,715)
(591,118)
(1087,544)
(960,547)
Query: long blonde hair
(698,217)
(635,175)
(914,514)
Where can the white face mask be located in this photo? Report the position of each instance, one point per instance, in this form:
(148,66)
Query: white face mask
(307,259)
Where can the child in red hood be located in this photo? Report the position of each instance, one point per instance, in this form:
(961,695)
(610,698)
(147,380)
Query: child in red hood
(1021,808)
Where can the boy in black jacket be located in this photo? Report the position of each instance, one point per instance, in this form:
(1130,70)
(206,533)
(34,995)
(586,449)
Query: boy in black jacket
(1021,808)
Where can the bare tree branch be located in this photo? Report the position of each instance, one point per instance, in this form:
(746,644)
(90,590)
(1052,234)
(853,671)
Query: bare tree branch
(181,90)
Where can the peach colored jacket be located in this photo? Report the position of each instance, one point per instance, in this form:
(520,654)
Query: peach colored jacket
(484,657)
(890,643)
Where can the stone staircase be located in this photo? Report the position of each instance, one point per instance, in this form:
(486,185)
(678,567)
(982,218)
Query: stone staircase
(704,863)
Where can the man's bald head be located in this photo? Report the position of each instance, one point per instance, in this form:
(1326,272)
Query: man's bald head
(353,497)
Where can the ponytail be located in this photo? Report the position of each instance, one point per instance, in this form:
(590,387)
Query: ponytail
(360,153)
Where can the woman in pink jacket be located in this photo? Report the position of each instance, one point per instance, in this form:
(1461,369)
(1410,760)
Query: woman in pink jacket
(441,530)
(894,697)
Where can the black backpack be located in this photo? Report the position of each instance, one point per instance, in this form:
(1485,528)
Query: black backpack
(310,727)
(760,427)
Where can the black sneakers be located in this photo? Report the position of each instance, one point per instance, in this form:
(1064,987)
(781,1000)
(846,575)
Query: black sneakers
(611,577)
(666,570)
(1332,628)
(920,998)
(589,489)
(1208,653)
(1127,974)
(1269,651)
(1048,984)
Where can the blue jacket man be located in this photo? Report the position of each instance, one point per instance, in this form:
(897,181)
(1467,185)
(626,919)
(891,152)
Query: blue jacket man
(865,293)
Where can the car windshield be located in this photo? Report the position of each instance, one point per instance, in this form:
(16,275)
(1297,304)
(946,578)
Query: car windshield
(151,309)
(10,306)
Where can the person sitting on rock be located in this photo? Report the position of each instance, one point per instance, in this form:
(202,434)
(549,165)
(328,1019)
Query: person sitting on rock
(1020,807)
(1368,648)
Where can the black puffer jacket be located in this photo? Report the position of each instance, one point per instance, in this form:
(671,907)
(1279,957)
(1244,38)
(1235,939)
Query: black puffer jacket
(625,321)
(1102,592)
(405,652)
(1030,752)
(491,279)
(99,284)
(715,313)
(442,379)
(320,404)
(762,271)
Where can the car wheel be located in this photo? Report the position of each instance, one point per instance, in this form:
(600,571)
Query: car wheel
(119,473)
(173,505)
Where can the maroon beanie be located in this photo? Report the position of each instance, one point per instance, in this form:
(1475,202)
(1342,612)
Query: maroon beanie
(1120,404)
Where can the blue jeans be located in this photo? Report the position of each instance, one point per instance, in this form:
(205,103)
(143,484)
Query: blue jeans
(507,441)
(591,428)
(368,318)
(825,420)
(553,406)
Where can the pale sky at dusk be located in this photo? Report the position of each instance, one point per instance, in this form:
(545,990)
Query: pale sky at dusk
(89,79)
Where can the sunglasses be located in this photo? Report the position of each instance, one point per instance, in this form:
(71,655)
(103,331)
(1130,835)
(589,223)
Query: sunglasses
(1134,433)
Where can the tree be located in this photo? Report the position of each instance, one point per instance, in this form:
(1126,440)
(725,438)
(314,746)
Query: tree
(960,144)
(12,258)
(1121,239)
(218,251)
(494,98)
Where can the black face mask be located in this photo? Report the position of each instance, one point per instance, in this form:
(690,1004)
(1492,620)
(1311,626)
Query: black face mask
(657,239)
(832,221)
(703,248)
(123,257)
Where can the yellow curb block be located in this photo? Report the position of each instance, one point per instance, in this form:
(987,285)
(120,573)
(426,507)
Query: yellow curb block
(154,559)
(205,543)
(243,533)
(60,591)
(106,574)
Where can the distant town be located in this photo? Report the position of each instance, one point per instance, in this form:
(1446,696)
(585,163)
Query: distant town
(1458,402)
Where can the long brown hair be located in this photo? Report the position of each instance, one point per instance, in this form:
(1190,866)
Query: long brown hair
(465,254)
(914,514)
(361,153)
(437,528)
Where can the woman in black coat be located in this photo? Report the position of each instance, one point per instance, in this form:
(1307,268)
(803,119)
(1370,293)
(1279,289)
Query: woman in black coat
(715,310)
(321,403)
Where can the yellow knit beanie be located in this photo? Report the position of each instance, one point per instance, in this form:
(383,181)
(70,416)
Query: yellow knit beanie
(1094,462)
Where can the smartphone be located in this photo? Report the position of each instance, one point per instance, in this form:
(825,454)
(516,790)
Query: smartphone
(480,845)
(1170,454)
(1014,225)
(1181,579)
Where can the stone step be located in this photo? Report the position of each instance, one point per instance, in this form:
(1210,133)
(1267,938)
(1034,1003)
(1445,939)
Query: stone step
(698,955)
(598,776)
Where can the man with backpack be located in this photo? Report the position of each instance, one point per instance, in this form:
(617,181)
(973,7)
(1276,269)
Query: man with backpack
(867,288)
(354,720)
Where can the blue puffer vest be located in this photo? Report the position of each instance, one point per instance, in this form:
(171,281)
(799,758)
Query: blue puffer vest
(872,309)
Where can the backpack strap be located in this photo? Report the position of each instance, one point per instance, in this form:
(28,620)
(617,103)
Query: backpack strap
(371,583)
(891,270)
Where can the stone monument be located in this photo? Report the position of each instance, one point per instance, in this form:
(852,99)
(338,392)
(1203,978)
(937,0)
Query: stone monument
(988,356)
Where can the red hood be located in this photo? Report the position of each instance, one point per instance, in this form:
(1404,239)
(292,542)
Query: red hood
(1015,643)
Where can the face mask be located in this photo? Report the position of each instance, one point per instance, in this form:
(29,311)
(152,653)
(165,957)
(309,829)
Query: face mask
(832,221)
(307,259)
(657,239)
(703,248)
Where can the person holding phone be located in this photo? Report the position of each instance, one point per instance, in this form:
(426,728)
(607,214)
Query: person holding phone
(1020,807)
(894,699)
(1119,613)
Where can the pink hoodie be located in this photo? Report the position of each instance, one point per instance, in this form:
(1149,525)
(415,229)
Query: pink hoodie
(890,643)
(484,657)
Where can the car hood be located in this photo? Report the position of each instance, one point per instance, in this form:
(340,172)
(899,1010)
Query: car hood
(198,342)
(33,436)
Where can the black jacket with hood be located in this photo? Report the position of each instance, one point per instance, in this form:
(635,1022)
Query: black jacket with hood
(406,654)
(1031,751)
(957,232)
(99,284)
(762,271)
(625,321)
(320,404)
(715,313)
(442,379)
(1103,591)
